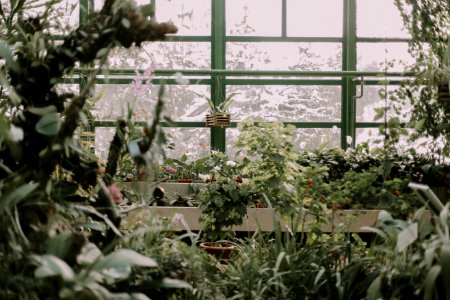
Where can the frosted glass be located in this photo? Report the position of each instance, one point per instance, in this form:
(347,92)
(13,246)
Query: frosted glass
(116,98)
(284,56)
(192,142)
(365,107)
(375,56)
(379,18)
(253,17)
(191,17)
(163,55)
(315,18)
(304,138)
(287,103)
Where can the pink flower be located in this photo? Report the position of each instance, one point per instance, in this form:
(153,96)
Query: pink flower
(115,193)
(171,170)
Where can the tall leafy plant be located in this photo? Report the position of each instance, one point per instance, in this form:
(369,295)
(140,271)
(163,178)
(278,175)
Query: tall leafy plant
(416,257)
(43,169)
(270,161)
(427,22)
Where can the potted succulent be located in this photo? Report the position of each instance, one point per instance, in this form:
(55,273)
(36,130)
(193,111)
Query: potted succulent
(223,204)
(219,115)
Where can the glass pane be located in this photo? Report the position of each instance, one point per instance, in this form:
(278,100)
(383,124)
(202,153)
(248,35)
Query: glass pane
(250,17)
(191,17)
(305,138)
(180,102)
(67,88)
(116,98)
(375,56)
(163,55)
(183,104)
(371,100)
(375,140)
(284,56)
(316,18)
(103,138)
(194,142)
(379,18)
(287,103)
(63,16)
(312,138)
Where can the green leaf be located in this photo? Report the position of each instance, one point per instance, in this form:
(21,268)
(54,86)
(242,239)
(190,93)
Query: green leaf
(420,124)
(51,265)
(7,55)
(379,113)
(407,236)
(12,198)
(147,10)
(430,282)
(43,110)
(89,254)
(373,292)
(125,23)
(384,217)
(102,52)
(445,265)
(377,231)
(218,201)
(124,258)
(49,124)
(174,284)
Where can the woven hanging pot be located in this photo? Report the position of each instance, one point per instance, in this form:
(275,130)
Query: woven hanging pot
(218,120)
(443,93)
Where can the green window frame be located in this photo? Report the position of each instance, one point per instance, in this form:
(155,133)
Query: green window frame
(349,79)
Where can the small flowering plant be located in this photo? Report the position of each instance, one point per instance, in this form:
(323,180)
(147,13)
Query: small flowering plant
(175,169)
(219,164)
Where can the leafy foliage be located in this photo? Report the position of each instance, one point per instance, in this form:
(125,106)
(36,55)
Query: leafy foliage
(44,169)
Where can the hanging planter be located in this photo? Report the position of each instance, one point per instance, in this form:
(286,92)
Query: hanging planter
(218,120)
(443,93)
(218,109)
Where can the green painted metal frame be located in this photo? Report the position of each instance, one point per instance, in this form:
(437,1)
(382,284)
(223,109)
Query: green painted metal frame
(220,77)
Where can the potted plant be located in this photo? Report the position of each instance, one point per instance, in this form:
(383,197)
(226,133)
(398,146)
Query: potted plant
(218,115)
(271,166)
(223,204)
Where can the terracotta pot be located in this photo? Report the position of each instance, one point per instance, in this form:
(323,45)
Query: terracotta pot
(185,180)
(218,249)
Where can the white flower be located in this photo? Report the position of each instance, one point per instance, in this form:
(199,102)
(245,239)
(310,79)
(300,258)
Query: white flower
(217,168)
(231,163)
(204,177)
(180,79)
(302,145)
(15,133)
(349,139)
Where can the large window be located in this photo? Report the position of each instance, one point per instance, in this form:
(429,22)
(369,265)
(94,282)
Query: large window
(288,60)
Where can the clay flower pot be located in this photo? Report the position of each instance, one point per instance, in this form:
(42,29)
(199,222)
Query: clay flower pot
(221,250)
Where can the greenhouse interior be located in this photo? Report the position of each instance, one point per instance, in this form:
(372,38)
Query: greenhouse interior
(225,149)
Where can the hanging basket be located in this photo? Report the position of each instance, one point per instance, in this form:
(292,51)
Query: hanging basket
(218,120)
(443,93)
